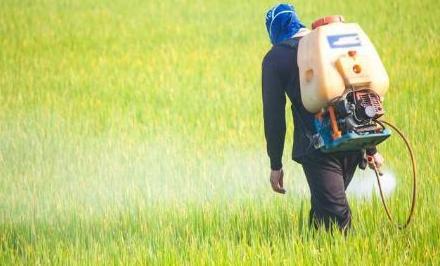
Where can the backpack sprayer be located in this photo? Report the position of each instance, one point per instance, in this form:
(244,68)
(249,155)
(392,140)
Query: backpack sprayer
(343,81)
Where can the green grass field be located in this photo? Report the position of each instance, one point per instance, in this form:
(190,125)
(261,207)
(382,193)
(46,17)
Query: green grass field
(131,132)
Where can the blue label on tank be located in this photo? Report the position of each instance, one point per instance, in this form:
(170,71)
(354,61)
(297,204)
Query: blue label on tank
(344,40)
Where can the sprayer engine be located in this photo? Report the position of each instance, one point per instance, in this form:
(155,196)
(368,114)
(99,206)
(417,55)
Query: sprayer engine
(356,111)
(348,123)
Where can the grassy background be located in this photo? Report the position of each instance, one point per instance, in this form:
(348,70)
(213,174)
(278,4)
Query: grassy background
(131,132)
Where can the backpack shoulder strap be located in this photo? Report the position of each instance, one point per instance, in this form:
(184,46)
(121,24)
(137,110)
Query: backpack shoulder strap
(292,42)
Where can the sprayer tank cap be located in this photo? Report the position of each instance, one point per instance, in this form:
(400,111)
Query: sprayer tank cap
(327,20)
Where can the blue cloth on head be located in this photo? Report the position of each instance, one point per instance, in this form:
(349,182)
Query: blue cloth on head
(282,23)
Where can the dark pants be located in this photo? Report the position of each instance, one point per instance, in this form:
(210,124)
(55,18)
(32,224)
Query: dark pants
(328,176)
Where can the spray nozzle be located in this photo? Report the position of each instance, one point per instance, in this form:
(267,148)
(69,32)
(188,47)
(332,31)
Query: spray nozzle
(372,164)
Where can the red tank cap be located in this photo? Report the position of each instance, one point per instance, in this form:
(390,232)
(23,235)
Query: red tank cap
(326,20)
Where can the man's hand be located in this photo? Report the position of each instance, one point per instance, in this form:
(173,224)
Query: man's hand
(375,160)
(276,180)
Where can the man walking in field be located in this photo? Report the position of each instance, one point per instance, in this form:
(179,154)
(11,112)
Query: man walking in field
(328,175)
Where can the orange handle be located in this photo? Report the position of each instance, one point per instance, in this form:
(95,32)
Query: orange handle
(336,132)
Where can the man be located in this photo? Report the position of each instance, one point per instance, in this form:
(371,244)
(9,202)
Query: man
(328,175)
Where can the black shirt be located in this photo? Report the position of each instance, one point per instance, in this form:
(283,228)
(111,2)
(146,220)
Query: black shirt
(280,77)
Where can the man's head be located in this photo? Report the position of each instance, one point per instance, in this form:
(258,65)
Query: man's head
(282,23)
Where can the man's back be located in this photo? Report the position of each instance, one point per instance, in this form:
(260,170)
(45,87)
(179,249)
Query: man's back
(281,76)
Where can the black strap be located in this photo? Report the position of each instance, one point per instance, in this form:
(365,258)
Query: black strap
(292,42)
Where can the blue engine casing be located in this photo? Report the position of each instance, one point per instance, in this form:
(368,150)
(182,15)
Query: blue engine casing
(349,141)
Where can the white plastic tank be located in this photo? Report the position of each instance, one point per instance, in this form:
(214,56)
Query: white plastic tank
(335,56)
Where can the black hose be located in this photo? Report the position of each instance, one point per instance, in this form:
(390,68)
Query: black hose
(413,163)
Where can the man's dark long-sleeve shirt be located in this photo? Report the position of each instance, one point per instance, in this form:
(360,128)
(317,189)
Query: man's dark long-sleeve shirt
(280,77)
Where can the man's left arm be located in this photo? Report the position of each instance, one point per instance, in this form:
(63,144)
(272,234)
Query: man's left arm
(274,101)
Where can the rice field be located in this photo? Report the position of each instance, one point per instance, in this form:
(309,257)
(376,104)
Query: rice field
(131,133)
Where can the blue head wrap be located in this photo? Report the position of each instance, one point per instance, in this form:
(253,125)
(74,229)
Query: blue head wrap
(282,23)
